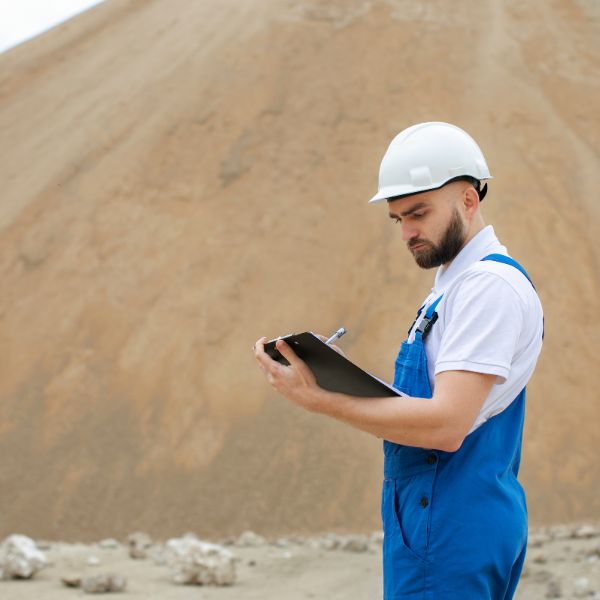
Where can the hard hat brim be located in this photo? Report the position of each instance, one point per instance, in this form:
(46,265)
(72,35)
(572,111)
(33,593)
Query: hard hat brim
(395,191)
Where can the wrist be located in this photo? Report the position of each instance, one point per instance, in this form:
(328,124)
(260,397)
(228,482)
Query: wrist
(320,400)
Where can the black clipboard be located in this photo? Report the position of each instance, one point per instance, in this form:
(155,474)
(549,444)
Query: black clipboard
(333,371)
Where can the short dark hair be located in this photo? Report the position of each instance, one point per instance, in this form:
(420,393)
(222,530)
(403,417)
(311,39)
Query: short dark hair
(476,183)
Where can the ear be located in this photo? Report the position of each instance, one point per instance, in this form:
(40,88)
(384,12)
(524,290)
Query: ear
(470,201)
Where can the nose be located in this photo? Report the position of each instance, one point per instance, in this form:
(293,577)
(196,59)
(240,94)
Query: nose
(409,232)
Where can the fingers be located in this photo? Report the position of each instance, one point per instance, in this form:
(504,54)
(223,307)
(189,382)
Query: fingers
(296,381)
(262,358)
(259,345)
(336,348)
(286,351)
(270,366)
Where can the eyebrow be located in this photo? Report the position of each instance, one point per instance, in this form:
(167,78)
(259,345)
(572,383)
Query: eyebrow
(410,211)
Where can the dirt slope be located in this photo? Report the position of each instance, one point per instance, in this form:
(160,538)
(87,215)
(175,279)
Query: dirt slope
(180,178)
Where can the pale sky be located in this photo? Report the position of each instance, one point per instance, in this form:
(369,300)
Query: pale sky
(21,20)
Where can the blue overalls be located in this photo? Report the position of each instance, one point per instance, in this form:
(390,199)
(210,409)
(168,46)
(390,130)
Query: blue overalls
(455,523)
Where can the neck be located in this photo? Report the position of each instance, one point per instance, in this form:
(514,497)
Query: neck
(473,231)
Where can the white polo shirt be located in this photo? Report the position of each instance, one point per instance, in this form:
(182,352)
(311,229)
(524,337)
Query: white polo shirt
(490,320)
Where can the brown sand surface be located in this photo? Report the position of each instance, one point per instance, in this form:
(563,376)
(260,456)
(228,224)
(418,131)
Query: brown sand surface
(300,570)
(180,178)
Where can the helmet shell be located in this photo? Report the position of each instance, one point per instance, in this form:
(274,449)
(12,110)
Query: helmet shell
(425,157)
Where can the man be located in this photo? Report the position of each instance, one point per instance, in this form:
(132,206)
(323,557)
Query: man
(454,514)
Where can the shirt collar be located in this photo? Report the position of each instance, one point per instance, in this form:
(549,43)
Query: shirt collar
(483,243)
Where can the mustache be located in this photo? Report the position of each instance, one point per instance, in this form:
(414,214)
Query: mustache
(417,242)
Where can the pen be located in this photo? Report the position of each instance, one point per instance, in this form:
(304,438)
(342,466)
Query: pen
(338,334)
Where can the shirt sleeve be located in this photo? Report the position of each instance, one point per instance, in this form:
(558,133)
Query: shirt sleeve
(483,320)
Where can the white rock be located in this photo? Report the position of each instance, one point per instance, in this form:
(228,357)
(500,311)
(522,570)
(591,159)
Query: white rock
(193,561)
(377,537)
(581,587)
(538,539)
(228,541)
(20,558)
(109,544)
(585,532)
(139,544)
(250,539)
(326,543)
(298,540)
(71,580)
(92,561)
(560,532)
(595,551)
(355,543)
(101,584)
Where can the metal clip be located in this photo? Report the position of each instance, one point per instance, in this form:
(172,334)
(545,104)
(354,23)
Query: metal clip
(426,324)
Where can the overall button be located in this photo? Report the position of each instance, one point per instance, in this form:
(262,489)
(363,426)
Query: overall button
(424,502)
(431,459)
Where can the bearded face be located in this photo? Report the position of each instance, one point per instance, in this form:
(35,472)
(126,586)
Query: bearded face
(428,254)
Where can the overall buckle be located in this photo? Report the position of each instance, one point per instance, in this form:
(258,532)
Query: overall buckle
(426,324)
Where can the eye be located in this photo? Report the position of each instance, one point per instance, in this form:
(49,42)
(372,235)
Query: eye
(418,215)
(397,220)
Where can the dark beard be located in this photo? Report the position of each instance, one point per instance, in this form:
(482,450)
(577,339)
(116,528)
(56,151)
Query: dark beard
(451,244)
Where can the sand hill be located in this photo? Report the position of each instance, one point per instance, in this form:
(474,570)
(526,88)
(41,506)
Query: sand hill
(180,178)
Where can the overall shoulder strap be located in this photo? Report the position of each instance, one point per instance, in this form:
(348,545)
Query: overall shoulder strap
(429,319)
(507,260)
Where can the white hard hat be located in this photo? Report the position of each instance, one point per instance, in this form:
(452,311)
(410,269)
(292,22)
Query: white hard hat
(427,156)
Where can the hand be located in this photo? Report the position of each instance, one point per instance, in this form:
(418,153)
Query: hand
(296,382)
(336,348)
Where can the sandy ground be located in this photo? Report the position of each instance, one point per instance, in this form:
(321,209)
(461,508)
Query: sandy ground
(559,565)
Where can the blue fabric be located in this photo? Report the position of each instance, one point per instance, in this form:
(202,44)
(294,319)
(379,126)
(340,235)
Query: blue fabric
(431,308)
(455,523)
